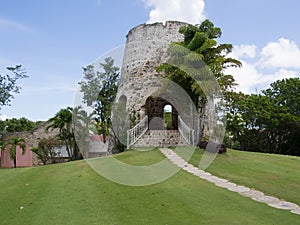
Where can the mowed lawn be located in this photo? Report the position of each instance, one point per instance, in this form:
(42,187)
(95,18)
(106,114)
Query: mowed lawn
(73,193)
(277,175)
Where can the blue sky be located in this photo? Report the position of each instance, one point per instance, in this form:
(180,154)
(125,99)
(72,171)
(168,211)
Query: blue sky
(54,39)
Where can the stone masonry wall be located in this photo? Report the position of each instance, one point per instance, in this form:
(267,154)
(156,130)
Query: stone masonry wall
(145,50)
(33,137)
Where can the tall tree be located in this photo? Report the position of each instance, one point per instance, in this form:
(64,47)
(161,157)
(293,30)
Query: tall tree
(9,86)
(121,124)
(63,122)
(271,119)
(85,124)
(286,93)
(46,149)
(12,144)
(200,52)
(16,125)
(99,89)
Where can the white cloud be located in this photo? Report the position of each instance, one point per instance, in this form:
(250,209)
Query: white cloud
(244,51)
(251,77)
(279,75)
(3,117)
(13,25)
(191,11)
(281,54)
(248,77)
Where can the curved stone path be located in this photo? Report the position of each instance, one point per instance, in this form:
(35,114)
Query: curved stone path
(242,190)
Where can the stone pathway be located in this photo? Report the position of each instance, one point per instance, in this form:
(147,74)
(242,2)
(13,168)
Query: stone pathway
(242,190)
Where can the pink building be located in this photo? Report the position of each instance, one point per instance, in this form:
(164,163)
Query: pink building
(22,160)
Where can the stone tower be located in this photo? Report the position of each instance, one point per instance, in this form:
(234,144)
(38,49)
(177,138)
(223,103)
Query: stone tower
(146,49)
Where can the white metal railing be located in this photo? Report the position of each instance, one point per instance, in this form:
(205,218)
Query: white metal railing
(186,132)
(137,131)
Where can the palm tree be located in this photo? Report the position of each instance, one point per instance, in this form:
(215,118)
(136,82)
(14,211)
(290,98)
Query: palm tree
(63,122)
(13,143)
(84,123)
(201,55)
(200,43)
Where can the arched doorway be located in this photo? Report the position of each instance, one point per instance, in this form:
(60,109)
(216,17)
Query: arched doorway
(168,122)
(161,114)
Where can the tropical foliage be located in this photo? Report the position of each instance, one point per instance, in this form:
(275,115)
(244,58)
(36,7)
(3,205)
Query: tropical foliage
(18,125)
(84,125)
(200,51)
(63,122)
(198,61)
(12,144)
(270,121)
(8,84)
(46,150)
(99,90)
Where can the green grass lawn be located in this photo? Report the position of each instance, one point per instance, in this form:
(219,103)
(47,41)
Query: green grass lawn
(73,193)
(276,175)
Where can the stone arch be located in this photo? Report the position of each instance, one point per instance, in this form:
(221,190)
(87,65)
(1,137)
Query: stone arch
(168,122)
(174,117)
(121,105)
(123,100)
(154,109)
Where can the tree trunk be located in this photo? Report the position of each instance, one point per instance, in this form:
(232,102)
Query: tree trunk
(15,158)
(68,149)
(103,128)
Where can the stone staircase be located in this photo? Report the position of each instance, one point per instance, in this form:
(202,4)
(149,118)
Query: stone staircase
(161,138)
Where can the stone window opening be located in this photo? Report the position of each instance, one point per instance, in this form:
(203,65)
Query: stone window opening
(162,115)
(168,122)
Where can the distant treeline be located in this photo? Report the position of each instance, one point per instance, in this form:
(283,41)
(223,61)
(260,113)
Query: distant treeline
(18,125)
(266,122)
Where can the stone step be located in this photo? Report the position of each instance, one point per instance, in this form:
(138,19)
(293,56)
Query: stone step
(161,138)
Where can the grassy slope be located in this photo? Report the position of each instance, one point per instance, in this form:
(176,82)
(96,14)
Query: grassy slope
(276,175)
(73,193)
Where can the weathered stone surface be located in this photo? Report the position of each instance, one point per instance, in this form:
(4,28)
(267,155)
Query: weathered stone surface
(161,138)
(33,137)
(146,49)
(239,189)
(252,194)
(296,211)
(144,88)
(284,205)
